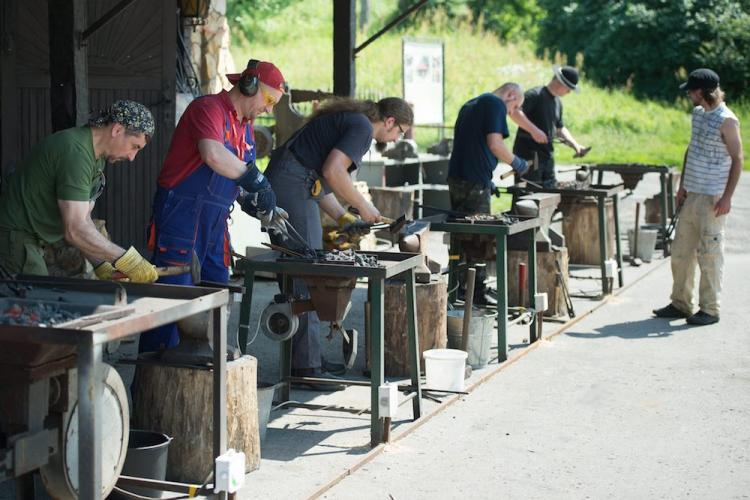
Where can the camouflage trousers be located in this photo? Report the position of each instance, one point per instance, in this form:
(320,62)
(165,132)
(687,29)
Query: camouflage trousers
(470,198)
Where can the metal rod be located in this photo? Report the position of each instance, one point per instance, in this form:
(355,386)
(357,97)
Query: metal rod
(390,25)
(281,249)
(111,14)
(219,322)
(471,274)
(90,441)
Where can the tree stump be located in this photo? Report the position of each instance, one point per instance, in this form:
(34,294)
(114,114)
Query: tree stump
(432,322)
(581,230)
(546,278)
(179,403)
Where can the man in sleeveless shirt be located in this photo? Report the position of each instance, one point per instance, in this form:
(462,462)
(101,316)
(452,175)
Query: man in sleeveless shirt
(711,170)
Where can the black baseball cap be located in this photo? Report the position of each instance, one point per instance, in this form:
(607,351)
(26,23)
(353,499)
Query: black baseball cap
(701,78)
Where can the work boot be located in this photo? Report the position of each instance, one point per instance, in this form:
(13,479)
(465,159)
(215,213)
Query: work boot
(314,386)
(669,311)
(702,318)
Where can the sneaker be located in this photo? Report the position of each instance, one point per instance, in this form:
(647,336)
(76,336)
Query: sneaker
(701,318)
(669,311)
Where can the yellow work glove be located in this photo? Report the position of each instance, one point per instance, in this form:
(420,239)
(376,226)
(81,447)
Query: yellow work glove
(138,269)
(104,271)
(346,219)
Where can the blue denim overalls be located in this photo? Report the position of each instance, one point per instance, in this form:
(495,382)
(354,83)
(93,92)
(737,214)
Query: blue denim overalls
(192,216)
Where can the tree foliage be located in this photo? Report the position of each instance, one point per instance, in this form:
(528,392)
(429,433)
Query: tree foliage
(508,20)
(650,45)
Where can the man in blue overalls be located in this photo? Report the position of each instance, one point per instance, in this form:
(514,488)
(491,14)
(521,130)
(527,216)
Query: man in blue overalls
(212,156)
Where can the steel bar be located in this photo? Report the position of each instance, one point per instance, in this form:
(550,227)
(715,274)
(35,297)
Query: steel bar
(376,292)
(247,300)
(618,244)
(533,337)
(602,214)
(89,418)
(390,25)
(106,18)
(413,339)
(219,321)
(501,269)
(286,346)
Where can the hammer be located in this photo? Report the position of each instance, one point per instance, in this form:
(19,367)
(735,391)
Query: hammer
(194,269)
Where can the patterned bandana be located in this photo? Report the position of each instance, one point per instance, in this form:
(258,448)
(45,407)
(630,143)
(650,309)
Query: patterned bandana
(132,115)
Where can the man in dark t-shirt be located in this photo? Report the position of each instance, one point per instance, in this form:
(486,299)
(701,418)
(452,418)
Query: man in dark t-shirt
(540,121)
(478,143)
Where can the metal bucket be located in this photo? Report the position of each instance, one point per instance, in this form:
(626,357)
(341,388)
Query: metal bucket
(146,458)
(265,401)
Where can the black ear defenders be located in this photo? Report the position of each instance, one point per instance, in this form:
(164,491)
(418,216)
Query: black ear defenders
(248,83)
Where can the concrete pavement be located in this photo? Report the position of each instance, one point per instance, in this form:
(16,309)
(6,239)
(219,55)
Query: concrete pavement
(621,405)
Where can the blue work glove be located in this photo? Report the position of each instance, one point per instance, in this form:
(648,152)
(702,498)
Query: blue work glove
(260,199)
(519,165)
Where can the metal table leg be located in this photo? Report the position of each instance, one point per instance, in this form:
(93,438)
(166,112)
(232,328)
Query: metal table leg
(663,210)
(90,392)
(454,253)
(286,349)
(618,246)
(376,292)
(245,308)
(602,206)
(532,284)
(413,336)
(220,387)
(501,268)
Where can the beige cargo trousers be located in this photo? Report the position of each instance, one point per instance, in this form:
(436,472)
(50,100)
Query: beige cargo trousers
(699,239)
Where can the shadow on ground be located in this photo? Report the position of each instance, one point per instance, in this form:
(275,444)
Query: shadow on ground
(648,328)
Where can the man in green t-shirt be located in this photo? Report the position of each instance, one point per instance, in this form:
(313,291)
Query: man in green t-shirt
(52,193)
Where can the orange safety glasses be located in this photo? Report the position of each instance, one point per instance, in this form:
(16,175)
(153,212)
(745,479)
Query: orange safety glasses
(269,99)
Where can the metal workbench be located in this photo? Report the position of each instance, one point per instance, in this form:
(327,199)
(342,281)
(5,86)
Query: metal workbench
(154,305)
(601,193)
(500,232)
(666,181)
(394,264)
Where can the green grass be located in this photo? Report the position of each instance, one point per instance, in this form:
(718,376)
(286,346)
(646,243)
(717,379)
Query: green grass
(621,128)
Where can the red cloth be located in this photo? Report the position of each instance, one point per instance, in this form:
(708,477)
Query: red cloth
(204,118)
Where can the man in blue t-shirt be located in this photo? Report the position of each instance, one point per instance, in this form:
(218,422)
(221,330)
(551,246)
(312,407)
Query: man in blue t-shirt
(478,143)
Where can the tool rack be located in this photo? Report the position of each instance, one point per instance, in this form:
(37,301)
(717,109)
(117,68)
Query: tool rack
(501,233)
(153,306)
(666,195)
(393,264)
(601,193)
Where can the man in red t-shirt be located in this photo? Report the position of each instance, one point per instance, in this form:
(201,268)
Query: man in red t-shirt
(210,160)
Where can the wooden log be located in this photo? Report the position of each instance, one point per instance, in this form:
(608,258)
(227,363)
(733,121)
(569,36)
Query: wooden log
(546,278)
(179,403)
(432,322)
(581,230)
(393,202)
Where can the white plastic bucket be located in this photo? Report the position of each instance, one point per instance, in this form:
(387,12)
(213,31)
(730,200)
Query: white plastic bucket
(481,331)
(646,243)
(444,369)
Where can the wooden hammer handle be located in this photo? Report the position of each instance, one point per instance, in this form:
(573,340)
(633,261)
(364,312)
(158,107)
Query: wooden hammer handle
(161,271)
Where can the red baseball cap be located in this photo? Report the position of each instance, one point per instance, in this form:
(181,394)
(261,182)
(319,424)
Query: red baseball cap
(266,72)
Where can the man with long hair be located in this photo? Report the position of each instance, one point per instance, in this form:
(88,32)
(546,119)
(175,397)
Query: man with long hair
(711,170)
(312,168)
